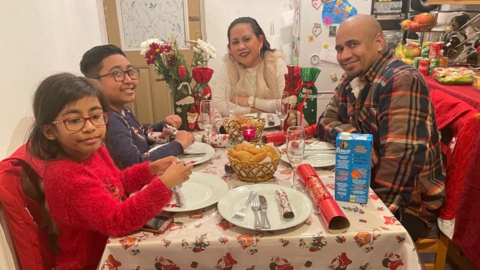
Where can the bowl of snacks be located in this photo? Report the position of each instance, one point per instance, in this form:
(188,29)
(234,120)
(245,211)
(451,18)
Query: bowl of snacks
(234,126)
(254,162)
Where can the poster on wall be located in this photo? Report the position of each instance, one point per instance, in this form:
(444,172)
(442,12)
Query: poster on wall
(335,12)
(139,20)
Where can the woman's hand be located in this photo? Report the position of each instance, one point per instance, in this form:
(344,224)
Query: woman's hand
(161,165)
(240,100)
(255,110)
(173,120)
(176,174)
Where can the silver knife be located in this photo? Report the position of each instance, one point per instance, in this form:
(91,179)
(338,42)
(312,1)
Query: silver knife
(317,155)
(320,150)
(189,155)
(263,208)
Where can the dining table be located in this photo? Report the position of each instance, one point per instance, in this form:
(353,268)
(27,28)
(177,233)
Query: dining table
(204,239)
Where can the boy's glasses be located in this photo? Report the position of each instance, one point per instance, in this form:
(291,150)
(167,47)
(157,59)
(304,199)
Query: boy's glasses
(119,75)
(77,123)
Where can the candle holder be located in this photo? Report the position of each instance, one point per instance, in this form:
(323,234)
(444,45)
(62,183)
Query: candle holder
(249,133)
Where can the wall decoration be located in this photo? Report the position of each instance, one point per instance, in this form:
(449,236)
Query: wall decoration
(140,20)
(327,20)
(336,12)
(332,30)
(317,29)
(316,3)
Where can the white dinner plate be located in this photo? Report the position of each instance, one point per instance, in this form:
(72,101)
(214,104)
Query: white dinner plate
(200,191)
(233,201)
(264,115)
(313,157)
(197,147)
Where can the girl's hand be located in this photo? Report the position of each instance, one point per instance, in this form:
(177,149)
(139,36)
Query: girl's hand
(161,165)
(176,174)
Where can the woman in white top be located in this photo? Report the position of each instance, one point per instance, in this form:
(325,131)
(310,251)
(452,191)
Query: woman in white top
(252,75)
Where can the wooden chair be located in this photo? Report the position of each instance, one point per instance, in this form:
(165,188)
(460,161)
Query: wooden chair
(438,246)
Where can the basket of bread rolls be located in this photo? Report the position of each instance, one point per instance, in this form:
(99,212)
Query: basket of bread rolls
(233,126)
(254,162)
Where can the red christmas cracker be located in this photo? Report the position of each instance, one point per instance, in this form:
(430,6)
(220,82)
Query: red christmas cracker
(332,215)
(216,140)
(287,211)
(278,138)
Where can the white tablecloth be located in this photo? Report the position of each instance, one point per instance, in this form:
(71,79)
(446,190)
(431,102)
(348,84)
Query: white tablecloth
(205,240)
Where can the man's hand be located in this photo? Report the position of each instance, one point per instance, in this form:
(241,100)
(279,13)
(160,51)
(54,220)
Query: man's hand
(173,120)
(161,165)
(185,138)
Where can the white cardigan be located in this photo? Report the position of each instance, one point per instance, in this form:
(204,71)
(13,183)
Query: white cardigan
(223,89)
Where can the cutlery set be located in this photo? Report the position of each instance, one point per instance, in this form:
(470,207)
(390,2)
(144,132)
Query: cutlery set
(258,203)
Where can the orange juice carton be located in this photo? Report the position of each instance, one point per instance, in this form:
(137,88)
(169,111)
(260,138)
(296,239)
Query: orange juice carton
(352,167)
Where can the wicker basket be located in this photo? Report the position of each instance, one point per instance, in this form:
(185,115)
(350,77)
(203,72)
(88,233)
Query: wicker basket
(255,172)
(234,128)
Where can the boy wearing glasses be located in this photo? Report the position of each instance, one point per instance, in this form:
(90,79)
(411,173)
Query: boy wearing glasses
(108,66)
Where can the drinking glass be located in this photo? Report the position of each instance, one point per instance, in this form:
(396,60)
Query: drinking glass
(295,138)
(231,104)
(206,116)
(281,107)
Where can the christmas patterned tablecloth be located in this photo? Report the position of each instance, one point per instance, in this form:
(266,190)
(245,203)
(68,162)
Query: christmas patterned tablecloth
(203,239)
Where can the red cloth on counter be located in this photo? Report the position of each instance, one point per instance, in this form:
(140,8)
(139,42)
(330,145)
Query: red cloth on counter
(462,92)
(467,225)
(460,118)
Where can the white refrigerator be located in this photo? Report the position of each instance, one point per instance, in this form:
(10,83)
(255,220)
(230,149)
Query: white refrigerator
(314,28)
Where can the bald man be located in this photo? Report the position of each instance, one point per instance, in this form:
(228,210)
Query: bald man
(382,96)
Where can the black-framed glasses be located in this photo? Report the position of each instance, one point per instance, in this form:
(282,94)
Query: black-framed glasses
(119,75)
(77,123)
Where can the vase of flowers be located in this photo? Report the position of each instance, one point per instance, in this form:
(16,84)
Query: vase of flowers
(202,52)
(167,58)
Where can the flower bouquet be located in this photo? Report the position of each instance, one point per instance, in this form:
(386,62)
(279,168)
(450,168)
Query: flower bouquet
(168,60)
(202,52)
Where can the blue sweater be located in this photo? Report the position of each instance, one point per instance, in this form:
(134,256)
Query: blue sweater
(128,143)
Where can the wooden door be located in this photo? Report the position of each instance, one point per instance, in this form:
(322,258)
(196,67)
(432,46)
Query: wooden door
(153,101)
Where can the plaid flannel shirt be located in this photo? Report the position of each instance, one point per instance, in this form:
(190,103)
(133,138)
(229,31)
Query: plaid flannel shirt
(406,158)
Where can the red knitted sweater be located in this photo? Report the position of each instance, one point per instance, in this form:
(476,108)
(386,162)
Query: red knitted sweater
(88,202)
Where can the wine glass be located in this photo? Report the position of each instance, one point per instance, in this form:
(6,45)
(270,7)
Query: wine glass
(281,107)
(206,116)
(231,104)
(295,138)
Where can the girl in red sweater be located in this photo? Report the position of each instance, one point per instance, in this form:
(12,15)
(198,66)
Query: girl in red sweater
(87,194)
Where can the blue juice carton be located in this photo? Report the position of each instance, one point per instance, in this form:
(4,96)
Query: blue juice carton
(352,167)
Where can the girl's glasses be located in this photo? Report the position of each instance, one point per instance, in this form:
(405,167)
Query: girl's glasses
(77,123)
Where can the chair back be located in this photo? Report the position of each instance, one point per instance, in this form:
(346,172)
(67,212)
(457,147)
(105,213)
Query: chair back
(21,195)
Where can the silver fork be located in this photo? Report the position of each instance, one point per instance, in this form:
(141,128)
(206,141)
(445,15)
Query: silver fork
(256,207)
(240,215)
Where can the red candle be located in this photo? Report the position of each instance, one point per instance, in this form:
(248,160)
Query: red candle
(249,133)
(181,71)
